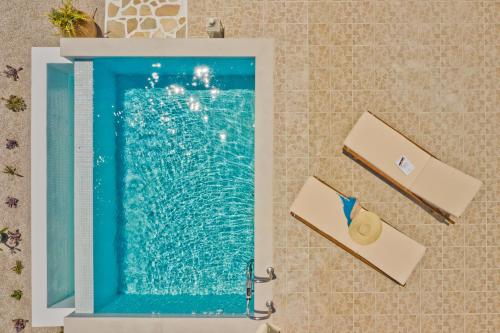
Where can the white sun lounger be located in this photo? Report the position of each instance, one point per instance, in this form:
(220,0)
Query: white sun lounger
(442,189)
(393,253)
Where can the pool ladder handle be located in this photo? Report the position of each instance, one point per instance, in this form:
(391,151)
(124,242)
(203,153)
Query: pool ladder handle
(249,286)
(263,279)
(267,314)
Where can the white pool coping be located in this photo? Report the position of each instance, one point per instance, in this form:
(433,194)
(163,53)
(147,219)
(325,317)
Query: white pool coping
(74,324)
(263,51)
(84,186)
(41,314)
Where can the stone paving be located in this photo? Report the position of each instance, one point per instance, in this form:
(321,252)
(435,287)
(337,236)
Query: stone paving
(146,18)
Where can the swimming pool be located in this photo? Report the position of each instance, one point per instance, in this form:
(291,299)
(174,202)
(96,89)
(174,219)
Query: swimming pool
(173,184)
(168,184)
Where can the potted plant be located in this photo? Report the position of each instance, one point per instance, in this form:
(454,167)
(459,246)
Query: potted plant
(73,22)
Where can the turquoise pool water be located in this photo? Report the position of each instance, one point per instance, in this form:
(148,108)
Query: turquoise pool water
(173,184)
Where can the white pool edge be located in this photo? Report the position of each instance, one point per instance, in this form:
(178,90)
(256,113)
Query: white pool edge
(42,315)
(75,324)
(83,186)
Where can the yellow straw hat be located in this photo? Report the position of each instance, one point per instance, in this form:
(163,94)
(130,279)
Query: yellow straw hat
(365,228)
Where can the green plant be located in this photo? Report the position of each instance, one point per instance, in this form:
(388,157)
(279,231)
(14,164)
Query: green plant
(18,267)
(11,171)
(15,103)
(67,18)
(12,72)
(11,239)
(20,324)
(17,294)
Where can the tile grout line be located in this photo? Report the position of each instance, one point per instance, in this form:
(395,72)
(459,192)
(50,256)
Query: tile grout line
(442,233)
(464,267)
(287,123)
(420,314)
(351,123)
(306,4)
(486,179)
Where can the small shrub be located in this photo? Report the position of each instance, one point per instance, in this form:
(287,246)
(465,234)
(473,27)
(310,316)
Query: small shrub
(9,170)
(20,324)
(18,267)
(17,294)
(11,144)
(12,72)
(15,103)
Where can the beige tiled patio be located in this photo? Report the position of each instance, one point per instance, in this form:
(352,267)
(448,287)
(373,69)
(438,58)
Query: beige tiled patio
(429,68)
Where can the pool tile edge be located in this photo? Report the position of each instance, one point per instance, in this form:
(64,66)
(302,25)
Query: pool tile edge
(84,273)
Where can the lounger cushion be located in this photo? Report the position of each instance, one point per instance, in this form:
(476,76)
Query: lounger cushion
(380,145)
(320,207)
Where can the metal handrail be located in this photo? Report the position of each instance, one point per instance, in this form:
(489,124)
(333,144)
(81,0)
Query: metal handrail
(250,281)
(267,313)
(270,276)
(259,279)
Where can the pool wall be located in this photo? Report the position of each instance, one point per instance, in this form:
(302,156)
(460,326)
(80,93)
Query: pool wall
(60,224)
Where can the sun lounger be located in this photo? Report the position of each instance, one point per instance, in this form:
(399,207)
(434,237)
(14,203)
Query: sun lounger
(321,207)
(441,189)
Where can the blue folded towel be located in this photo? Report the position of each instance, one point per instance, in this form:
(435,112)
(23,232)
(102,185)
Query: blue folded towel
(349,204)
